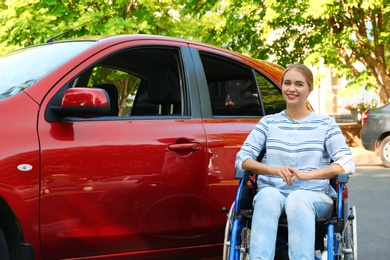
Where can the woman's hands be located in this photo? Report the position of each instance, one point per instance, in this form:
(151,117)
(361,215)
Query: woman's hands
(288,174)
(285,172)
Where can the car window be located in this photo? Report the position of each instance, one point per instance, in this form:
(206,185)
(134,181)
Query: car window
(140,82)
(22,68)
(271,95)
(121,88)
(234,89)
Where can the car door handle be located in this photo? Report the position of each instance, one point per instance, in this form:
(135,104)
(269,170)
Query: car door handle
(185,147)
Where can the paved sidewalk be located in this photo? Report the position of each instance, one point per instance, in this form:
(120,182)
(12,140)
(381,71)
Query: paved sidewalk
(364,157)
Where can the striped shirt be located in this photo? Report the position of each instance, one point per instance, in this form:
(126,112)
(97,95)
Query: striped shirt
(306,144)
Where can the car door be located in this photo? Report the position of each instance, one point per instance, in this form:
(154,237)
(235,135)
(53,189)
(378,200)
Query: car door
(235,97)
(131,181)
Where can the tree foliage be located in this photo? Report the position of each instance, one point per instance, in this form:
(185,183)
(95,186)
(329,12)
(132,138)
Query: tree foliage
(27,22)
(351,36)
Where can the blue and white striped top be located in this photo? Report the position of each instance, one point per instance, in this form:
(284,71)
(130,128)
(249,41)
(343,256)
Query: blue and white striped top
(306,144)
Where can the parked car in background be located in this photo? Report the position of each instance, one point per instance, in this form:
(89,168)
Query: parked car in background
(124,147)
(375,133)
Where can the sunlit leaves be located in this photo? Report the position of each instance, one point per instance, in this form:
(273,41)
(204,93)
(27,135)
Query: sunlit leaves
(339,32)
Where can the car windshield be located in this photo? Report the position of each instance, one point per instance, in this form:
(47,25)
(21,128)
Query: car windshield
(22,68)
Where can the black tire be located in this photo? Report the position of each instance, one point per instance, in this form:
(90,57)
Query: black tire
(4,254)
(384,151)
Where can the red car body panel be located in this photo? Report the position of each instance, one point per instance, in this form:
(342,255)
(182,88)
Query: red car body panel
(135,194)
(19,189)
(111,189)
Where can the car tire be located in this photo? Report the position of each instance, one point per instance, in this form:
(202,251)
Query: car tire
(4,254)
(384,151)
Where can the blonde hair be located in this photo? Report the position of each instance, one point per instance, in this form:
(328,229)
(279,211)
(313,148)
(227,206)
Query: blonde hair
(304,70)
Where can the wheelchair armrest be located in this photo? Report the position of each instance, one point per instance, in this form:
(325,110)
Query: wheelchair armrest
(342,178)
(240,173)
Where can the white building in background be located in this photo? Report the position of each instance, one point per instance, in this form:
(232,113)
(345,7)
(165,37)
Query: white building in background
(330,95)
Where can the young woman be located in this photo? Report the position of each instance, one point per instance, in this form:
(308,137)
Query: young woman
(303,151)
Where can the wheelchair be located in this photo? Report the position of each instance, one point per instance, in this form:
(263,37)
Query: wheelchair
(336,237)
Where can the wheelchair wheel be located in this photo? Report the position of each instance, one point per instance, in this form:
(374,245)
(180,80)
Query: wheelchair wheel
(228,231)
(245,241)
(349,242)
(241,227)
(353,235)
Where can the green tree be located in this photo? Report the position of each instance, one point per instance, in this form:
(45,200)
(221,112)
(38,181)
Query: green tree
(27,22)
(345,33)
(234,25)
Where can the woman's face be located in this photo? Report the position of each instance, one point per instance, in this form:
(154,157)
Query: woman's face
(295,88)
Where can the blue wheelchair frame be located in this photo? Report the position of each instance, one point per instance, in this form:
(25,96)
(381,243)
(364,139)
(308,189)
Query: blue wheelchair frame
(336,226)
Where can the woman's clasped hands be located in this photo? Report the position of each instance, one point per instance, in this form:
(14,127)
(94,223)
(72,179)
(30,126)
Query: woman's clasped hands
(287,173)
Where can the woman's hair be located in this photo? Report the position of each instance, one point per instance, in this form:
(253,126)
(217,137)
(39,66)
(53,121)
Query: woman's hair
(304,70)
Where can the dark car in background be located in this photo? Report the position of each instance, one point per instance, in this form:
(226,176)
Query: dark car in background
(124,147)
(375,133)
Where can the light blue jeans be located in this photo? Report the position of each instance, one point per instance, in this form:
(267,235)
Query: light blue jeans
(302,207)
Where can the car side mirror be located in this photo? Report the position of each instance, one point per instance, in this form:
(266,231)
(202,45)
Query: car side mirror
(83,102)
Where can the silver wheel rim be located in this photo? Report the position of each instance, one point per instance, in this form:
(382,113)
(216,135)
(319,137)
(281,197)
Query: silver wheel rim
(386,151)
(228,227)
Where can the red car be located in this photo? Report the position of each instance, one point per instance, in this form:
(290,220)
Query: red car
(124,147)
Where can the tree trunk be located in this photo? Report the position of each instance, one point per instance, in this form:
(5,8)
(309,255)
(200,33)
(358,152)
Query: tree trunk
(383,90)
